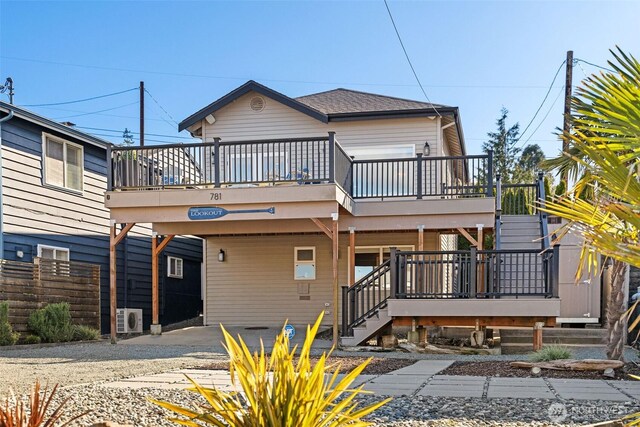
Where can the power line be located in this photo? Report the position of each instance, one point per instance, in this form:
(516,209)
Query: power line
(409,60)
(95,112)
(596,65)
(205,76)
(146,139)
(100,114)
(161,107)
(545,116)
(542,103)
(81,100)
(152,134)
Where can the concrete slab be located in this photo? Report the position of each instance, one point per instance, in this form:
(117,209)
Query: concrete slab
(471,390)
(424,367)
(617,396)
(211,337)
(522,394)
(458,378)
(390,391)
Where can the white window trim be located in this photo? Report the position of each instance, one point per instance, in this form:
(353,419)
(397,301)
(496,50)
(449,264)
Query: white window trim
(45,137)
(306,262)
(174,274)
(55,249)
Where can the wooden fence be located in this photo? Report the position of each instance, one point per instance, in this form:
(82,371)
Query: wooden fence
(28,287)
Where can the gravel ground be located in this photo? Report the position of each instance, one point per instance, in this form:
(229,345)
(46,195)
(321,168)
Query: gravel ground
(131,406)
(92,362)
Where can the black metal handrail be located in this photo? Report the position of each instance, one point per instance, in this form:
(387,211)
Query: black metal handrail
(297,160)
(363,299)
(465,274)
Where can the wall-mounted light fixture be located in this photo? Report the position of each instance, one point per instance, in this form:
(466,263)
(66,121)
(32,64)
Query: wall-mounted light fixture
(221,255)
(427,149)
(20,253)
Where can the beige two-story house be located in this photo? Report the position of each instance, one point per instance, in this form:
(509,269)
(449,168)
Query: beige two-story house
(345,202)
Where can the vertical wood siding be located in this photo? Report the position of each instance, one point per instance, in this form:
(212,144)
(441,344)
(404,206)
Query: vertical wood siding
(255,286)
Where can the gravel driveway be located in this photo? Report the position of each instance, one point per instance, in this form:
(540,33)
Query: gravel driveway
(92,362)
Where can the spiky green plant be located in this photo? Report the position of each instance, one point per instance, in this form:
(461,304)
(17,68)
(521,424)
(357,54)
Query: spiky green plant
(37,413)
(275,391)
(551,352)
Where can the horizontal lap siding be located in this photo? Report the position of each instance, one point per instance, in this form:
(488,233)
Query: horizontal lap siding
(237,122)
(255,286)
(35,214)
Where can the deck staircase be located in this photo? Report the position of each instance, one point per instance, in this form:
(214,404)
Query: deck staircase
(519,265)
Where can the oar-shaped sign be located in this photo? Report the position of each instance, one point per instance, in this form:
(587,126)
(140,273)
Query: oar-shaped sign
(200,213)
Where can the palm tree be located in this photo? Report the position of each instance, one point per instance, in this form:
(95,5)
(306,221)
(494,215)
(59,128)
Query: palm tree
(604,161)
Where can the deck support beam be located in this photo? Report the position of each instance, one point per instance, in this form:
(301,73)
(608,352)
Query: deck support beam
(468,236)
(114,239)
(156,249)
(333,233)
(352,256)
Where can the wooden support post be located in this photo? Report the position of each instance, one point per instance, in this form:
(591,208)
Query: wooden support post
(156,250)
(154,285)
(352,255)
(537,335)
(336,290)
(114,239)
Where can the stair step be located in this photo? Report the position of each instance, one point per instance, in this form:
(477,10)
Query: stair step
(519,218)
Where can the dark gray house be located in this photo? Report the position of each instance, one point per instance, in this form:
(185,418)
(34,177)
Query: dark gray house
(52,195)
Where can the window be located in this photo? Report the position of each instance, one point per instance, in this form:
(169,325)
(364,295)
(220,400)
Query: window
(53,252)
(174,267)
(63,163)
(305,263)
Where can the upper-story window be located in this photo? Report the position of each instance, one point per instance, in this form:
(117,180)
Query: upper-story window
(63,163)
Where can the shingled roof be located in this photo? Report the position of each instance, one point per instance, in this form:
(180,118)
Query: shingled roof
(345,101)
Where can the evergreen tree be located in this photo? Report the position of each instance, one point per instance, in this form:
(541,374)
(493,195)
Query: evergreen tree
(127,138)
(503,144)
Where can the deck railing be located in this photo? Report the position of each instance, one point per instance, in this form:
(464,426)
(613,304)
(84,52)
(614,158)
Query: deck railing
(470,274)
(301,161)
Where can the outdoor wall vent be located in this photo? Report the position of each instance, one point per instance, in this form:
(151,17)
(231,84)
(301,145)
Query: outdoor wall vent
(257,103)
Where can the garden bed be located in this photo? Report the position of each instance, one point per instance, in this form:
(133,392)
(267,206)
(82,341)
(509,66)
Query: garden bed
(504,369)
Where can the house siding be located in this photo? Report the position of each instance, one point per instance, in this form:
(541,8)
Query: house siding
(254,286)
(34,213)
(237,122)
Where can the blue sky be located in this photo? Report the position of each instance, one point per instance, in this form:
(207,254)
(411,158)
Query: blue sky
(477,55)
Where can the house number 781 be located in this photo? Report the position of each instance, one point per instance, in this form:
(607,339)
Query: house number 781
(216,196)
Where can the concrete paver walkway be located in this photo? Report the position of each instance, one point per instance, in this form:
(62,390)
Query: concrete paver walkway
(422,379)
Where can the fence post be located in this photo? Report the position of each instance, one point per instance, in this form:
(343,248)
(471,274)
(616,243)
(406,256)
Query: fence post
(216,162)
(419,183)
(473,269)
(109,169)
(490,174)
(556,271)
(497,244)
(393,272)
(345,309)
(332,157)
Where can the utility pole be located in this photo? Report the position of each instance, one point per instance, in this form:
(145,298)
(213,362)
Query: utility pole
(8,85)
(566,128)
(142,114)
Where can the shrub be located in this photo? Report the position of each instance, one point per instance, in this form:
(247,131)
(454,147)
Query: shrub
(551,352)
(30,339)
(38,413)
(277,391)
(7,336)
(85,333)
(52,323)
